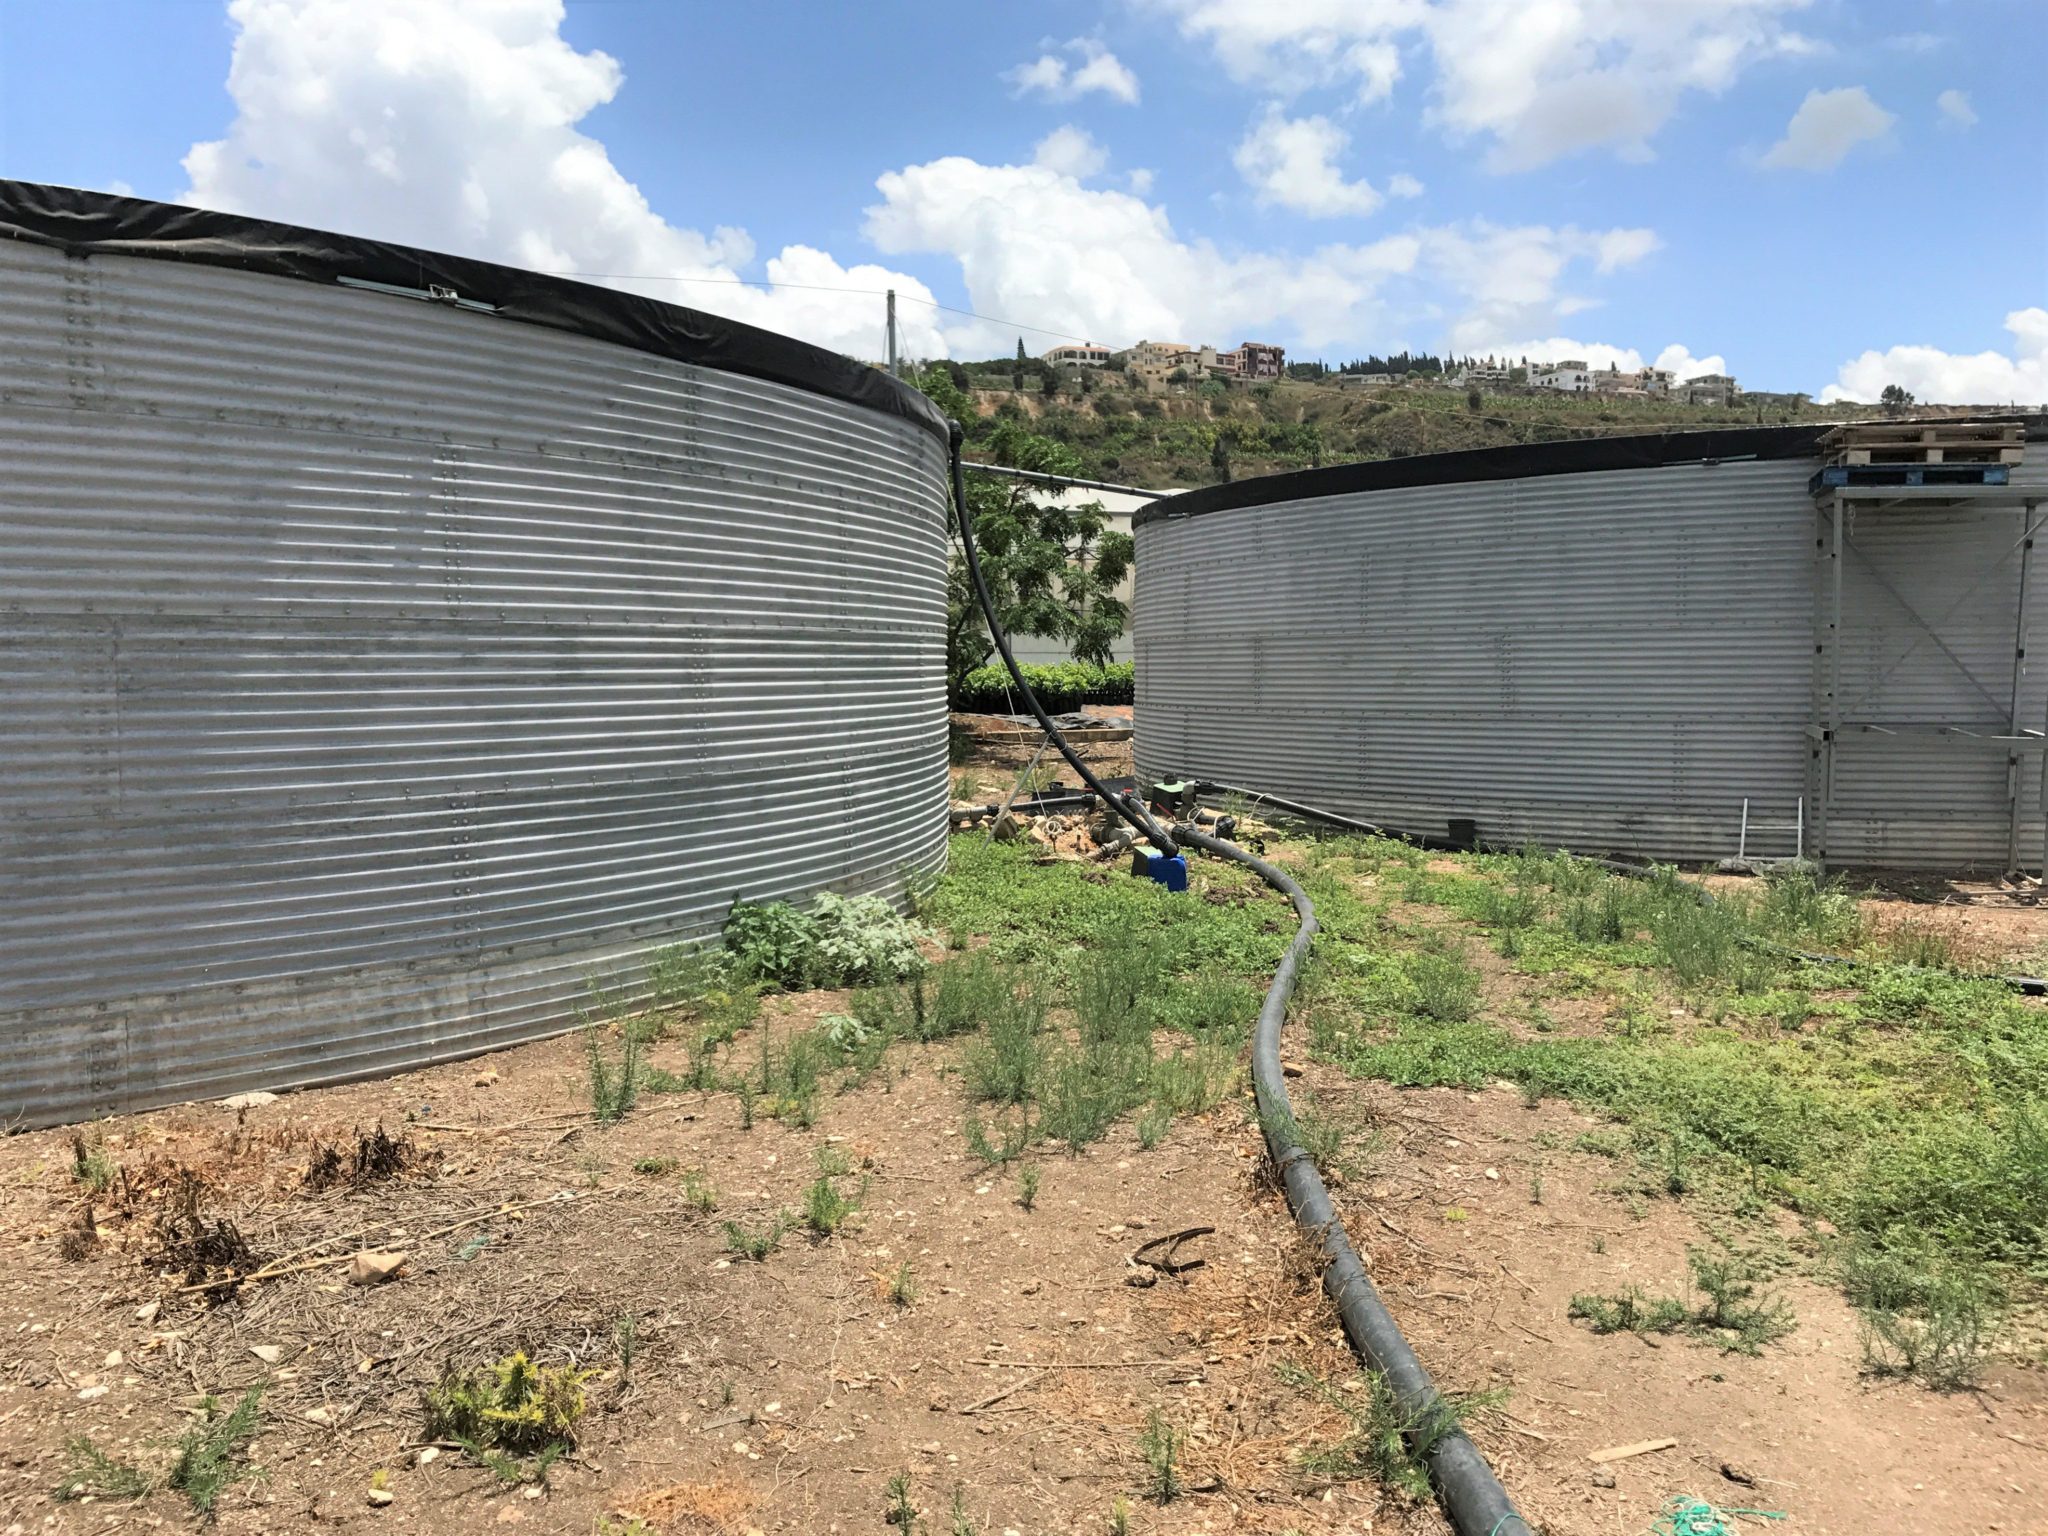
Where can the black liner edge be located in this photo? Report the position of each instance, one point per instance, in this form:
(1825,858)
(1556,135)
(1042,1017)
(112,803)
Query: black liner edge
(86,224)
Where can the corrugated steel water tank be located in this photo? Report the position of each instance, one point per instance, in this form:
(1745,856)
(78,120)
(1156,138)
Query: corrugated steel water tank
(1603,645)
(390,643)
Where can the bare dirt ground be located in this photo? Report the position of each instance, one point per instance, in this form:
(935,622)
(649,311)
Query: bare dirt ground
(1480,1276)
(772,1396)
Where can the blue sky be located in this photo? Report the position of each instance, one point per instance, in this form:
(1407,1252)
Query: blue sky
(1821,193)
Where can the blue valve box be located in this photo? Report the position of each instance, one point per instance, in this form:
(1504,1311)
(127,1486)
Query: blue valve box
(1171,873)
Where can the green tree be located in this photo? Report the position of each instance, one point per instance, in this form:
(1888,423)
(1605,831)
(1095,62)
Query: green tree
(1017,371)
(1049,385)
(1052,571)
(1895,397)
(1219,455)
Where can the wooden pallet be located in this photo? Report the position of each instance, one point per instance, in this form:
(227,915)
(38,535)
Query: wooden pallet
(1924,442)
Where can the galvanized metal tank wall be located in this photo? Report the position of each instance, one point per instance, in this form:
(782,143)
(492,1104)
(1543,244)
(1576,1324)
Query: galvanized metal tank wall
(1606,660)
(373,673)
(1934,674)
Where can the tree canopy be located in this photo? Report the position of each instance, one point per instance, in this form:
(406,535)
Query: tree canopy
(1052,570)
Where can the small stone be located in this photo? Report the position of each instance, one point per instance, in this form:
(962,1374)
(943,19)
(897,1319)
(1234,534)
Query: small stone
(146,1313)
(1493,1173)
(373,1266)
(379,1497)
(317,1416)
(428,1455)
(269,1354)
(92,1394)
(1290,1069)
(1602,1478)
(248,1101)
(533,1491)
(485,1078)
(113,1359)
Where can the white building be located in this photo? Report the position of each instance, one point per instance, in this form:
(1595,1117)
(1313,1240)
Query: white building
(1571,376)
(1084,355)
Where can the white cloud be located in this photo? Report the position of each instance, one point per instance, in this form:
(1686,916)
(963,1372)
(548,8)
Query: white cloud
(1956,110)
(1401,184)
(453,126)
(1094,68)
(1538,78)
(1292,162)
(1956,378)
(1071,151)
(456,127)
(1140,179)
(1826,127)
(1033,242)
(1623,248)
(1510,278)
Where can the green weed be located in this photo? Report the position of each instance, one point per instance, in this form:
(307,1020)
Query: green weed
(1383,1444)
(1003,1062)
(655,1166)
(899,1511)
(902,1286)
(757,1243)
(1153,1126)
(1161,1445)
(827,1208)
(91,1472)
(1016,1137)
(1731,1313)
(613,1090)
(510,1410)
(1028,1179)
(90,1164)
(1194,1081)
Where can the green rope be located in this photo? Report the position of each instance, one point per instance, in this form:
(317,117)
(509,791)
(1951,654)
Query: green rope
(1690,1516)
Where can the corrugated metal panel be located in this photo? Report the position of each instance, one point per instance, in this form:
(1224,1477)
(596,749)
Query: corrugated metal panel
(375,672)
(1930,599)
(1610,660)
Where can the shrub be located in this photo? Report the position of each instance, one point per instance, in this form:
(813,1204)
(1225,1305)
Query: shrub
(1062,686)
(843,941)
(506,1411)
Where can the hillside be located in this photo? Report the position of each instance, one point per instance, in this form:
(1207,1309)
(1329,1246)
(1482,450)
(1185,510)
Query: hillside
(1172,439)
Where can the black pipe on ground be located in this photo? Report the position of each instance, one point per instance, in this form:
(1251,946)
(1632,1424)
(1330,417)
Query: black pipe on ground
(1471,1495)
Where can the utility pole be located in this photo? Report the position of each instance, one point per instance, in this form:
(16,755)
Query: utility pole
(895,370)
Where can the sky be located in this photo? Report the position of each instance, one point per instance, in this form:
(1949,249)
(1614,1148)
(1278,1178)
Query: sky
(1818,195)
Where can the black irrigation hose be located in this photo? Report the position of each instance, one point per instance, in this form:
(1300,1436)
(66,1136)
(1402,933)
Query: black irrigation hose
(2031,986)
(1472,1496)
(1150,829)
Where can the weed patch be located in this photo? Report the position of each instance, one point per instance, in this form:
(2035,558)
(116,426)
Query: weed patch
(757,1243)
(514,1417)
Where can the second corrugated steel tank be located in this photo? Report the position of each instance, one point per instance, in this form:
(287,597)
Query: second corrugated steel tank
(1612,659)
(378,672)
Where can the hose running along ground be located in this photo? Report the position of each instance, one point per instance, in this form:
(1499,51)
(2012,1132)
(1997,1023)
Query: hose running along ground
(1471,1495)
(1144,824)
